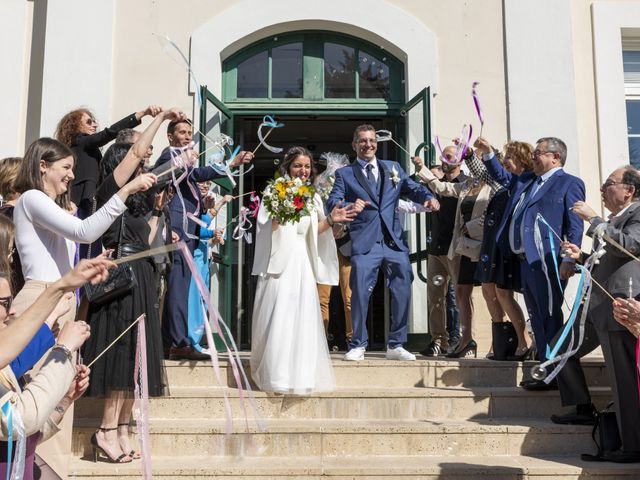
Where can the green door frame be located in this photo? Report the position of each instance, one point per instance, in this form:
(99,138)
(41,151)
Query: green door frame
(225,261)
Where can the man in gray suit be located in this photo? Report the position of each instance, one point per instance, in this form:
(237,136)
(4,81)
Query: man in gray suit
(621,195)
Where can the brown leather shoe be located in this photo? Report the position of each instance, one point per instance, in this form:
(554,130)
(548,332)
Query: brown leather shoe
(186,353)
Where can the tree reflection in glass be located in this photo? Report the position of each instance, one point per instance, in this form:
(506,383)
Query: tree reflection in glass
(339,71)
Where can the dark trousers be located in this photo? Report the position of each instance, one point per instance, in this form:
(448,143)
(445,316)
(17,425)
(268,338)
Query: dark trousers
(453,315)
(536,296)
(618,348)
(176,308)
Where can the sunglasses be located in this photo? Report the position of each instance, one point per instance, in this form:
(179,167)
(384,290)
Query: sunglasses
(6,302)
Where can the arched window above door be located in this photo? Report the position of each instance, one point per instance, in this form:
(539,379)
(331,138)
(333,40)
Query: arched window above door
(313,67)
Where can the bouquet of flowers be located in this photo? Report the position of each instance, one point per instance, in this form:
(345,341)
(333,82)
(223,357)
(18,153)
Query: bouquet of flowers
(288,199)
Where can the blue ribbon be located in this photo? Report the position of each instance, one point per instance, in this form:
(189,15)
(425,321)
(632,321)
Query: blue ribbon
(269,121)
(551,354)
(8,412)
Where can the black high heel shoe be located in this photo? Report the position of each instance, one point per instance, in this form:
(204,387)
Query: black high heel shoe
(470,348)
(526,355)
(133,454)
(97,448)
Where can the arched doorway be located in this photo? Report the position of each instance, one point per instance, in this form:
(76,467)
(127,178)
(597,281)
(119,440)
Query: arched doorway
(321,85)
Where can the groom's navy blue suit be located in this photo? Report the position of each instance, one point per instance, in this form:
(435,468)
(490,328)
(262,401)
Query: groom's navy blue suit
(376,236)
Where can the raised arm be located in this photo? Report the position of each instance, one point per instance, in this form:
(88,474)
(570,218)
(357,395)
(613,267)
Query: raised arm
(103,137)
(136,153)
(445,189)
(20,331)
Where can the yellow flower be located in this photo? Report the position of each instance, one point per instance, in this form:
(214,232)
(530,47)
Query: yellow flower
(303,190)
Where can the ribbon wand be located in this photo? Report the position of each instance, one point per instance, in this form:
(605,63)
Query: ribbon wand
(262,141)
(135,322)
(476,104)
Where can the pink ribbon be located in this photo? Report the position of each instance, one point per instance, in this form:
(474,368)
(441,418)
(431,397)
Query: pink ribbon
(234,357)
(254,204)
(141,392)
(244,224)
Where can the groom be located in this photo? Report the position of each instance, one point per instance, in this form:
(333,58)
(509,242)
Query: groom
(373,187)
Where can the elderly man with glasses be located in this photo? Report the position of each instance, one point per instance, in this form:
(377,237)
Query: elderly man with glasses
(548,191)
(618,274)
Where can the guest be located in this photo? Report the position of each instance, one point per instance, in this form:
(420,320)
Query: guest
(111,376)
(43,229)
(551,192)
(197,315)
(473,197)
(186,200)
(499,274)
(9,168)
(607,323)
(289,351)
(78,131)
(439,264)
(62,381)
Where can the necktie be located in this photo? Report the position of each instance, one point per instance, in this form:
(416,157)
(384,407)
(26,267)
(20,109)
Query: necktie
(371,178)
(518,215)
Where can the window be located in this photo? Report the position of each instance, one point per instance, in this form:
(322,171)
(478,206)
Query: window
(631,63)
(311,67)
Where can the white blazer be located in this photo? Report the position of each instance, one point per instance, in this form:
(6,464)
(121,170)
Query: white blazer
(272,254)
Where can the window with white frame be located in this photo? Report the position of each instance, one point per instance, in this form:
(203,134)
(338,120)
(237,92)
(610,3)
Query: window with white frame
(631,62)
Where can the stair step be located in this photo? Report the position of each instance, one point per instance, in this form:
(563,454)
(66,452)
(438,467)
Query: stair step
(361,467)
(347,437)
(359,403)
(376,371)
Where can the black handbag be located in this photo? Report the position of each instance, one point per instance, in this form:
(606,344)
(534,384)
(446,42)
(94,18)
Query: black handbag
(121,280)
(605,435)
(505,340)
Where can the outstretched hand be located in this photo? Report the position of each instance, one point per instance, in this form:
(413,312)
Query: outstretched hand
(418,162)
(341,214)
(483,146)
(584,211)
(94,270)
(241,158)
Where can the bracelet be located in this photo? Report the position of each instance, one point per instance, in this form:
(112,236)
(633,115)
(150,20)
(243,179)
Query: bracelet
(156,213)
(65,349)
(329,220)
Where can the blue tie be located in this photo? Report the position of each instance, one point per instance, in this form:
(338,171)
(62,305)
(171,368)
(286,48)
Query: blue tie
(371,178)
(518,215)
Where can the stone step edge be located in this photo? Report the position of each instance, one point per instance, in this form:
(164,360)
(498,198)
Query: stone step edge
(382,362)
(355,426)
(487,467)
(182,392)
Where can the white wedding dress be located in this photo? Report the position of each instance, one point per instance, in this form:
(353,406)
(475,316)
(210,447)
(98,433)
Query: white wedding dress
(289,351)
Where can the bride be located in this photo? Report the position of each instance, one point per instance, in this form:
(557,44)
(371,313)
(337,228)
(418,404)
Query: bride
(289,351)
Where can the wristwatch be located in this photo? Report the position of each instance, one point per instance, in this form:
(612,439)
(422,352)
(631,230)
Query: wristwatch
(156,213)
(65,349)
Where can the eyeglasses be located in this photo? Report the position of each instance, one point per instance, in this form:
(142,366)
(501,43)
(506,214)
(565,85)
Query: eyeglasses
(609,183)
(539,153)
(6,302)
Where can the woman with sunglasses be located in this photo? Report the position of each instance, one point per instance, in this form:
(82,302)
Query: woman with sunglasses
(78,130)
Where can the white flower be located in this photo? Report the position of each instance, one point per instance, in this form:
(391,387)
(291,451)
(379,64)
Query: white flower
(395,177)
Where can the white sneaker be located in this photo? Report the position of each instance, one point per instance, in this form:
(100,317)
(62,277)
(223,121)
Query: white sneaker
(399,353)
(355,354)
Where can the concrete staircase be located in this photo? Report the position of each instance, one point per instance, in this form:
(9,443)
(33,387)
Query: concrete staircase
(448,419)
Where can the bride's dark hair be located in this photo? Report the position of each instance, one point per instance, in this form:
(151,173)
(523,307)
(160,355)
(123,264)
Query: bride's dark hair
(291,155)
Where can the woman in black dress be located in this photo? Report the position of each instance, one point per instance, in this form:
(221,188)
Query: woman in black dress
(112,374)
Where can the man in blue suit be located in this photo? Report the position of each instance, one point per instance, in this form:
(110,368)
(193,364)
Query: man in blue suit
(373,187)
(551,192)
(175,315)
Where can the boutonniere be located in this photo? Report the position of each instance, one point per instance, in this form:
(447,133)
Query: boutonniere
(395,177)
